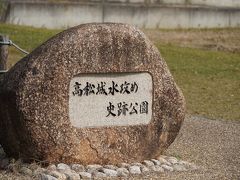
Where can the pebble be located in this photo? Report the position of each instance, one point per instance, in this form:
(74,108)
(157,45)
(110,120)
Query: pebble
(156,162)
(26,171)
(110,167)
(109,172)
(91,171)
(148,163)
(63,171)
(32,166)
(72,175)
(94,166)
(137,164)
(157,168)
(168,168)
(85,175)
(185,163)
(99,175)
(38,171)
(163,161)
(47,177)
(52,167)
(78,168)
(144,169)
(134,170)
(57,175)
(122,172)
(63,167)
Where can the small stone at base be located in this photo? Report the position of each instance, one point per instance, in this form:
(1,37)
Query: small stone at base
(92,171)
(52,167)
(144,169)
(172,160)
(62,166)
(148,163)
(26,171)
(38,171)
(78,167)
(137,164)
(134,170)
(164,161)
(47,177)
(157,168)
(156,162)
(110,167)
(56,174)
(85,175)
(122,172)
(168,168)
(109,172)
(99,174)
(64,172)
(72,175)
(94,166)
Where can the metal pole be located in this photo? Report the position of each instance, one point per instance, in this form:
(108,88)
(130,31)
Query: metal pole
(3,54)
(10,43)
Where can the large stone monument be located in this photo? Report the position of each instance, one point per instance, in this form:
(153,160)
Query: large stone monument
(95,93)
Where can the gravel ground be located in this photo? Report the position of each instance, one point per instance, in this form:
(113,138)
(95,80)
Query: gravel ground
(212,144)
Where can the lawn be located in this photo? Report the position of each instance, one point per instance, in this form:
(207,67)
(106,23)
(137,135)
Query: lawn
(210,80)
(27,38)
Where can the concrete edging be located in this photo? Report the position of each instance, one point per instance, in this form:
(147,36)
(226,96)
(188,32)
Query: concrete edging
(45,14)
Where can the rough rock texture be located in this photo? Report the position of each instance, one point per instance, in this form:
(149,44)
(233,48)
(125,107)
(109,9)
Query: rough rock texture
(34,116)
